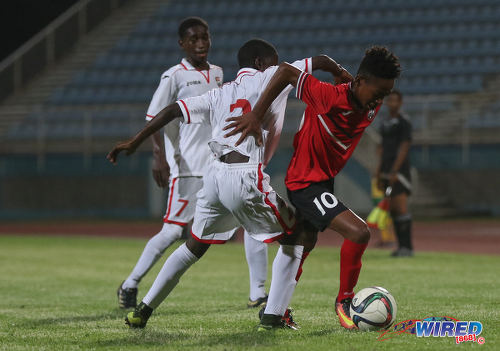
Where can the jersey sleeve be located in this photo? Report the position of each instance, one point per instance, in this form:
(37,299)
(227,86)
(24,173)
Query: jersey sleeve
(321,96)
(304,65)
(196,109)
(165,94)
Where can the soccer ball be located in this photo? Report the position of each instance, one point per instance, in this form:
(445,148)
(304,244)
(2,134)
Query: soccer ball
(373,308)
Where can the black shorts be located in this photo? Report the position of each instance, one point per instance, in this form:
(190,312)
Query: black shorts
(401,186)
(316,205)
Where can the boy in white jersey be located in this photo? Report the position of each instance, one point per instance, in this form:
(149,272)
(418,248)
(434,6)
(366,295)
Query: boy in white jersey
(235,190)
(181,156)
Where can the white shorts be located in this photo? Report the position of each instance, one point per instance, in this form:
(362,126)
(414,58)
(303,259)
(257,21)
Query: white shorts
(182,200)
(236,195)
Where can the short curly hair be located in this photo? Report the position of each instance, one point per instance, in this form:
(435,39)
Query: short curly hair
(255,48)
(380,62)
(190,22)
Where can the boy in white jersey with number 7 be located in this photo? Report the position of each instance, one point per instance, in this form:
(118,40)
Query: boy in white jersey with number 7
(235,190)
(180,158)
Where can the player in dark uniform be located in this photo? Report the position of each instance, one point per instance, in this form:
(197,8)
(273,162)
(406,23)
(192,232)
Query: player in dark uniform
(333,122)
(393,171)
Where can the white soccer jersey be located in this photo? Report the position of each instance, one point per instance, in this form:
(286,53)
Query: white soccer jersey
(186,148)
(234,99)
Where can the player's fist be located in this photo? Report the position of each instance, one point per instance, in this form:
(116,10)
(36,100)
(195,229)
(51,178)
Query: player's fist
(343,77)
(128,146)
(160,170)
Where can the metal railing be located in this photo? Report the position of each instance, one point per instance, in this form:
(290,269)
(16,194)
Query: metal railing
(47,130)
(52,43)
(460,120)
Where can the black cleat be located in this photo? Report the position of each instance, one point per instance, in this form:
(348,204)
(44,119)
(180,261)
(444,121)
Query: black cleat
(127,298)
(260,302)
(271,321)
(139,317)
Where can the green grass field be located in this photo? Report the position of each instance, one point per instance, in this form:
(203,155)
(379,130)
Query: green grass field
(58,293)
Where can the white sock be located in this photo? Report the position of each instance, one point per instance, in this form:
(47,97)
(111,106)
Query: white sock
(285,267)
(256,254)
(175,266)
(154,249)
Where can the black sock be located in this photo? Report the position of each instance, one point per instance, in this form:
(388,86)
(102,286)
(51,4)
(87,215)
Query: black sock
(402,227)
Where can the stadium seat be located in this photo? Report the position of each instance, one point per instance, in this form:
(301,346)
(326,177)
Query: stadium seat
(445,46)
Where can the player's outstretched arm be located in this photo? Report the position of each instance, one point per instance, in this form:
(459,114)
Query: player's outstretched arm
(165,116)
(327,64)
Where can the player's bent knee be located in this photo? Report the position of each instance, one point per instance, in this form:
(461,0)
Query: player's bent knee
(172,231)
(362,234)
(310,241)
(293,250)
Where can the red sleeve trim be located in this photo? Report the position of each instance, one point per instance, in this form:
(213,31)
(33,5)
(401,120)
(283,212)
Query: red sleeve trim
(187,111)
(150,116)
(300,84)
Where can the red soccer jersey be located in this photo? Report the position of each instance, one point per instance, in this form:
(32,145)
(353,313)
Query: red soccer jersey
(329,132)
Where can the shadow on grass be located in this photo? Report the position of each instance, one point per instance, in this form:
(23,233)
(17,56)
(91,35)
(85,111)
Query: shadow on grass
(106,316)
(228,340)
(183,309)
(331,331)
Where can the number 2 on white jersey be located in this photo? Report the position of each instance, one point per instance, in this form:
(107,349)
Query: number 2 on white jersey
(241,103)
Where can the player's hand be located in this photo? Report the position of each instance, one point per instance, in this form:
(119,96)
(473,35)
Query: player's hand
(160,170)
(393,178)
(128,146)
(248,124)
(344,77)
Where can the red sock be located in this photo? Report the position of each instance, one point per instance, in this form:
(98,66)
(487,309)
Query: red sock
(350,266)
(299,272)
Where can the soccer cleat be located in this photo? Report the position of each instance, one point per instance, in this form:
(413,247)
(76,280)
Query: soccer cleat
(139,317)
(127,298)
(342,310)
(288,320)
(271,321)
(260,302)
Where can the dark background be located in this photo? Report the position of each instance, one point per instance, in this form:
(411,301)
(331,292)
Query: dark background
(22,19)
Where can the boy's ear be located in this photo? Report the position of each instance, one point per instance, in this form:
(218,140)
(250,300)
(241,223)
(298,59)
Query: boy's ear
(258,63)
(358,79)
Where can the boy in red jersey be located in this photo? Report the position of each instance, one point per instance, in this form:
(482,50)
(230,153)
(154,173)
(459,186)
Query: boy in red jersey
(333,123)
